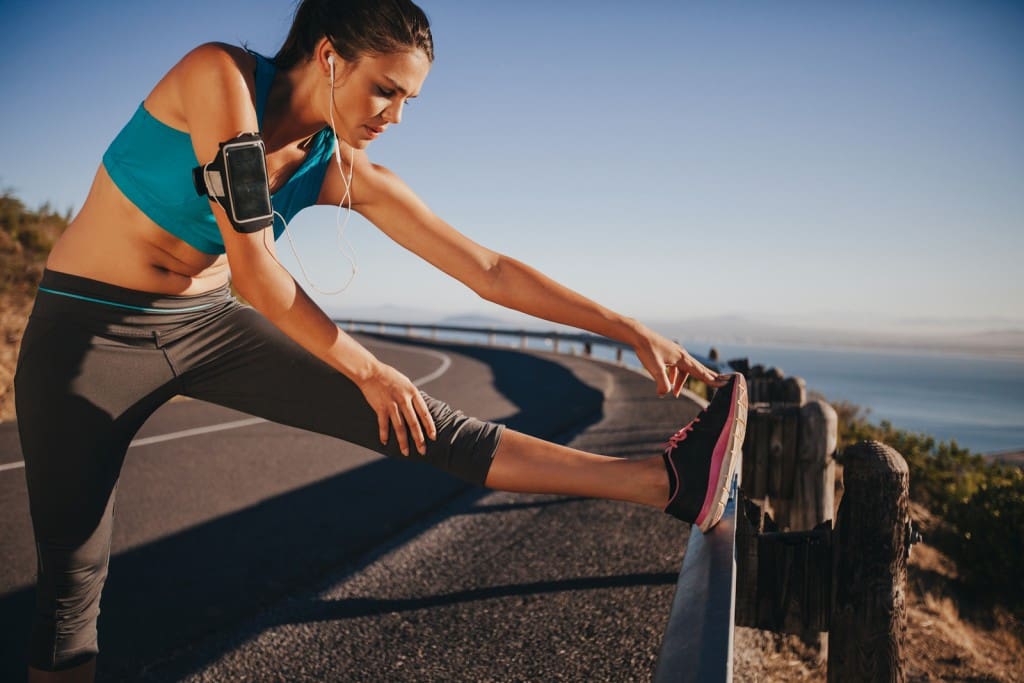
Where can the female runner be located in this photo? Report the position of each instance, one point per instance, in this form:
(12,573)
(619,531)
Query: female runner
(134,306)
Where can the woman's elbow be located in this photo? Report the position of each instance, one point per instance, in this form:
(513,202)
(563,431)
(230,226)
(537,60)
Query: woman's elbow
(487,283)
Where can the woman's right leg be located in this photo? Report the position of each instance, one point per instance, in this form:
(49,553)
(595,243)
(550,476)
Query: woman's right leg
(82,392)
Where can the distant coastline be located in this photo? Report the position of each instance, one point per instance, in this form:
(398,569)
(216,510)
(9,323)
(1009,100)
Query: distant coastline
(908,347)
(1014,457)
(1002,339)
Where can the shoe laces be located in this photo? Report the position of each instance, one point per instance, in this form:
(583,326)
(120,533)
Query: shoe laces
(679,436)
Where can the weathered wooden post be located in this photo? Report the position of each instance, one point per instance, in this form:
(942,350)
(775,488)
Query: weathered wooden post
(814,490)
(588,349)
(810,498)
(869,616)
(618,355)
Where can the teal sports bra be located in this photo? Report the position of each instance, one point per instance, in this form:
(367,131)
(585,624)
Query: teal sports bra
(151,163)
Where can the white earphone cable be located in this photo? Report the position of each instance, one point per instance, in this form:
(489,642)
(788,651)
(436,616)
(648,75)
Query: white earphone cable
(341,224)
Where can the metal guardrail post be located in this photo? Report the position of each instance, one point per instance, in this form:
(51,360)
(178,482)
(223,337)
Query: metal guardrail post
(698,642)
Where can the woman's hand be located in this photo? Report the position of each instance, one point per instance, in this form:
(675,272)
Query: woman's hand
(399,405)
(670,364)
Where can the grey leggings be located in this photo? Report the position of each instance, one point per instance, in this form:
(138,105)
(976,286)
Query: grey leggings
(97,360)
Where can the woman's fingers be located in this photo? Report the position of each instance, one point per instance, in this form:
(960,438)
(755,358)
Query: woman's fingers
(425,417)
(412,421)
(399,425)
(415,429)
(698,370)
(680,380)
(662,379)
(383,426)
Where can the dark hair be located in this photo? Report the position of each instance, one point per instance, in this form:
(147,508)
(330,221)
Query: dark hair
(356,28)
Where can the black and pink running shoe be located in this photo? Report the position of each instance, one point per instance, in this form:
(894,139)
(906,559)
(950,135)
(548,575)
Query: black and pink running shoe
(701,457)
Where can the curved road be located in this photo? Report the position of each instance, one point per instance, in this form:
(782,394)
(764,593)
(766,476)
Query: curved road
(253,551)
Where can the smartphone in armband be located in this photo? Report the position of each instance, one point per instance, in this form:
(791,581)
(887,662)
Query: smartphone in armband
(237,180)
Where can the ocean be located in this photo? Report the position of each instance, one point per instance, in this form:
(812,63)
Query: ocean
(976,401)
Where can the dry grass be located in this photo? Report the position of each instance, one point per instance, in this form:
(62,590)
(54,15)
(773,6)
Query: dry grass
(21,268)
(951,635)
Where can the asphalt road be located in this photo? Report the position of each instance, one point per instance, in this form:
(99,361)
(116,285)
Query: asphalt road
(261,552)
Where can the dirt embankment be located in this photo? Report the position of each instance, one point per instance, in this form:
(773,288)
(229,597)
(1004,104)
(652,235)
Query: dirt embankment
(14,312)
(22,256)
(951,635)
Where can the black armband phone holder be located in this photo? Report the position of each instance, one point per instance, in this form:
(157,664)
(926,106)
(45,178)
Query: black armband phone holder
(237,180)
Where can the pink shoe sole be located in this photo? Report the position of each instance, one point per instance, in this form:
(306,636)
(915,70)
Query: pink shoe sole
(723,461)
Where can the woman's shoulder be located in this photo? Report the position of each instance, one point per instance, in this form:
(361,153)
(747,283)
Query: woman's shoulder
(219,68)
(216,60)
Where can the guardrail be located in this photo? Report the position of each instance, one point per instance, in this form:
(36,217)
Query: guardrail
(698,642)
(813,581)
(558,340)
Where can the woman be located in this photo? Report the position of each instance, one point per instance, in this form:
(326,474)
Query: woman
(135,307)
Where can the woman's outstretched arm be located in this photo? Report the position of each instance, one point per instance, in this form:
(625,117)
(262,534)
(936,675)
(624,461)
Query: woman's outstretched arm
(394,208)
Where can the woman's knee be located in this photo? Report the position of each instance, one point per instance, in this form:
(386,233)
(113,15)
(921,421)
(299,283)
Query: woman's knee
(465,445)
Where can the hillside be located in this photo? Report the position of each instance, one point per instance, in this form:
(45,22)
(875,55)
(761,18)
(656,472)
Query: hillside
(26,237)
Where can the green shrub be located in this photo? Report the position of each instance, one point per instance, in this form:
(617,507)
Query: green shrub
(989,526)
(982,501)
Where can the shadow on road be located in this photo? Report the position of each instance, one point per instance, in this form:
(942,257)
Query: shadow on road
(208,578)
(354,608)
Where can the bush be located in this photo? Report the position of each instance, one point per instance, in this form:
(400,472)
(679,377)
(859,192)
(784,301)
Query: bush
(982,501)
(989,544)
(34,230)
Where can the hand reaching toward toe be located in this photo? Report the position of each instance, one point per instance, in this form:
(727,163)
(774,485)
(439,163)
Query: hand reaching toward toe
(670,364)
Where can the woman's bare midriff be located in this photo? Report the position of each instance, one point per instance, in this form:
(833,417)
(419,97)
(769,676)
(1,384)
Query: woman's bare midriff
(112,241)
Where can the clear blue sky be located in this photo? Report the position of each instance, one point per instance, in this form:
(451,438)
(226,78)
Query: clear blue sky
(784,160)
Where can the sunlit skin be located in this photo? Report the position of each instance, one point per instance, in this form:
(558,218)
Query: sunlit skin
(112,241)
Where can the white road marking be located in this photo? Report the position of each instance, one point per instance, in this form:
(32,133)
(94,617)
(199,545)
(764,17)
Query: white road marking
(446,362)
(196,431)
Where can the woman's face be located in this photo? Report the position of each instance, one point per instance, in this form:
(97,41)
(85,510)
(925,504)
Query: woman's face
(370,94)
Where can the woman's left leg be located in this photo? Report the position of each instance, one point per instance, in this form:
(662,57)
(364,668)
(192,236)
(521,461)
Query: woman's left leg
(244,362)
(528,464)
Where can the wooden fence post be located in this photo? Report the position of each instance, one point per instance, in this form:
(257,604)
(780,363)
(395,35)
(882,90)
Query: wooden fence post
(814,489)
(869,615)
